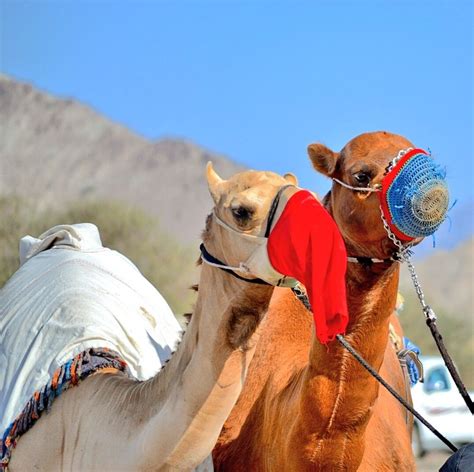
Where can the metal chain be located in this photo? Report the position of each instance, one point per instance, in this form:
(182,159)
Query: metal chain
(427,310)
(401,249)
(394,161)
(404,255)
(404,252)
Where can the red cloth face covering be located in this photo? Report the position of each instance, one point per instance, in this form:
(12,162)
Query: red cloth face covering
(306,244)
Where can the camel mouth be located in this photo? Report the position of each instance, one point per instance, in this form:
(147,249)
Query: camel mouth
(389,249)
(415,196)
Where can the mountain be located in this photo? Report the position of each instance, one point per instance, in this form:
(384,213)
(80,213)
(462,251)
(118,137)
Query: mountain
(58,150)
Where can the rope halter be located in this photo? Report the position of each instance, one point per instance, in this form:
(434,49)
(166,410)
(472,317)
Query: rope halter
(257,264)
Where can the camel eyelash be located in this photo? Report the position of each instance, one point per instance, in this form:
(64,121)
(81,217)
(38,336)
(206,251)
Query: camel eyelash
(242,213)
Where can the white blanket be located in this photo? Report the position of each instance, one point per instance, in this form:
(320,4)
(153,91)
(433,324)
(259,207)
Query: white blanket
(71,294)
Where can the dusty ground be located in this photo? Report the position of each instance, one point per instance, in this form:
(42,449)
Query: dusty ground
(432,461)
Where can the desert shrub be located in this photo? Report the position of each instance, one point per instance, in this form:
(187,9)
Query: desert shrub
(18,217)
(165,263)
(458,335)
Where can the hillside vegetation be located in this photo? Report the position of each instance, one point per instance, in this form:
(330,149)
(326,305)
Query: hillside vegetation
(446,278)
(458,335)
(168,265)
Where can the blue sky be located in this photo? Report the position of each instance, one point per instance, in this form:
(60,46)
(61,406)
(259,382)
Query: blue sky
(259,80)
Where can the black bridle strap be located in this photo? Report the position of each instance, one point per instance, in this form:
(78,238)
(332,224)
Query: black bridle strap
(213,260)
(273,208)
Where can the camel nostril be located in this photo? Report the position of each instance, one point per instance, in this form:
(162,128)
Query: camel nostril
(430,205)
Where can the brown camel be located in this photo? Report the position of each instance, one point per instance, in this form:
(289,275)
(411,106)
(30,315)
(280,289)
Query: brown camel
(307,406)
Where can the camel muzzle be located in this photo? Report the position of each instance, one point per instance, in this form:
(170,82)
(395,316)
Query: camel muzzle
(414,198)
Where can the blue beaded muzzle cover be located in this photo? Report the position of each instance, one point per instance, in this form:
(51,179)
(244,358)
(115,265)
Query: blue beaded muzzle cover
(414,197)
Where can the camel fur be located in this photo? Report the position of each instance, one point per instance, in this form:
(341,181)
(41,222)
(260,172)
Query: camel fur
(171,421)
(306,406)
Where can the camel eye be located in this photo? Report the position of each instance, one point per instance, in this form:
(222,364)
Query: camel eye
(362,178)
(242,214)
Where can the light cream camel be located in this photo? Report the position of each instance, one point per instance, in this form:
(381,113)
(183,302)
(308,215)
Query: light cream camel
(172,421)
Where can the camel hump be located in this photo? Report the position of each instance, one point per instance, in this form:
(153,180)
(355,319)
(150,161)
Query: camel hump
(72,294)
(82,236)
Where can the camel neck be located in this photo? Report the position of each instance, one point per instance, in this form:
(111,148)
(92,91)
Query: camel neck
(371,298)
(196,391)
(337,393)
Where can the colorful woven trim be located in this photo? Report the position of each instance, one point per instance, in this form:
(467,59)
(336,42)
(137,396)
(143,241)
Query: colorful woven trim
(68,375)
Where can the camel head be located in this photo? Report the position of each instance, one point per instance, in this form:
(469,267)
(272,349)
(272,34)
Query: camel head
(241,212)
(264,223)
(363,163)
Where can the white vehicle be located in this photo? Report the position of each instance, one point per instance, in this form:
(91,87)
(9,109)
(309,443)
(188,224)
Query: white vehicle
(438,400)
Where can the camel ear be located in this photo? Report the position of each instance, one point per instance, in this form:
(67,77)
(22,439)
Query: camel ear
(214,182)
(323,159)
(291,178)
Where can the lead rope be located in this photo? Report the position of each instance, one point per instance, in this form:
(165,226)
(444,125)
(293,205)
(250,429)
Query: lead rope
(375,374)
(301,296)
(404,255)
